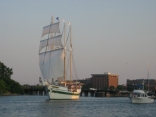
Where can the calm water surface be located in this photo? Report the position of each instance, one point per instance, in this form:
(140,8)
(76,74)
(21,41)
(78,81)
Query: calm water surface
(40,106)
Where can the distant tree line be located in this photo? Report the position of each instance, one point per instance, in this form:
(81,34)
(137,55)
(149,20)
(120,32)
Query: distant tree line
(8,85)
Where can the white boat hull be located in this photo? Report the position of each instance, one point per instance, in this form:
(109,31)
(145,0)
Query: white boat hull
(141,100)
(58,93)
(140,97)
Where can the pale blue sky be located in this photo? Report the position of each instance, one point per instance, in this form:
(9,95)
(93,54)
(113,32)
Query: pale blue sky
(117,36)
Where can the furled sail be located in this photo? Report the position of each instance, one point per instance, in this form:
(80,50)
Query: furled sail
(51,63)
(54,41)
(52,28)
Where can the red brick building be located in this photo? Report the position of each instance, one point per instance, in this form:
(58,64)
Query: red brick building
(101,81)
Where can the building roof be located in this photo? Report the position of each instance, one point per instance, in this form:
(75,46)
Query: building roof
(104,74)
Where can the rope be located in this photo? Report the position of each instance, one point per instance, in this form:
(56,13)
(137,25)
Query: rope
(68,64)
(75,68)
(67,37)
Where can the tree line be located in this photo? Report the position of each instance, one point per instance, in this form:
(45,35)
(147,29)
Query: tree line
(8,85)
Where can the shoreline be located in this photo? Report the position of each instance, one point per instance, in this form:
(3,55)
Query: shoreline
(10,94)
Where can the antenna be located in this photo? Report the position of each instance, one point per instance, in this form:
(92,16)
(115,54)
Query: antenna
(143,84)
(148,76)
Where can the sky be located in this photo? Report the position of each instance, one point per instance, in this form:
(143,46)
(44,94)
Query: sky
(116,36)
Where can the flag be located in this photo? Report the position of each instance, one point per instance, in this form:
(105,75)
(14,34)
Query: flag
(57,18)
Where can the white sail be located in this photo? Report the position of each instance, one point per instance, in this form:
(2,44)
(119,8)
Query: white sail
(51,63)
(52,28)
(54,41)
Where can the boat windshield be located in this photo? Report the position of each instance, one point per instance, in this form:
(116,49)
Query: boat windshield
(139,95)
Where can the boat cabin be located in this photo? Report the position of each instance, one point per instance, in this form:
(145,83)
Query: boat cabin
(139,93)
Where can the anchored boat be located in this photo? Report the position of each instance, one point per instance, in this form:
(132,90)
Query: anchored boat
(140,96)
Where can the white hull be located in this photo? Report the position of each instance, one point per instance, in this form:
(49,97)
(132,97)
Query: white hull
(141,100)
(59,92)
(140,97)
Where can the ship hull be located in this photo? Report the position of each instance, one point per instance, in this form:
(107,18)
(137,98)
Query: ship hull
(61,93)
(141,100)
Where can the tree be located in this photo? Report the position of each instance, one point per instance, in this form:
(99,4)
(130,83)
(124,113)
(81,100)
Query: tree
(5,71)
(13,86)
(2,86)
(111,88)
(6,83)
(119,87)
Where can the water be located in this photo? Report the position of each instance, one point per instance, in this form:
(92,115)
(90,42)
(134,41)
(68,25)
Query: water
(40,106)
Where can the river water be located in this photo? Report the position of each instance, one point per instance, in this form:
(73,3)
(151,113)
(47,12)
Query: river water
(40,106)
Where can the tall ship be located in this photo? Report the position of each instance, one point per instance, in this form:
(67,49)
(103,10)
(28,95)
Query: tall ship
(54,50)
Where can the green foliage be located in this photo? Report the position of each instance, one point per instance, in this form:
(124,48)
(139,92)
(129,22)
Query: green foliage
(111,88)
(120,87)
(5,71)
(6,83)
(2,86)
(39,87)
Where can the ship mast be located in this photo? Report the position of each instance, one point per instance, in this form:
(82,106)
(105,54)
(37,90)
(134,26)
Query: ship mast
(65,53)
(52,21)
(70,55)
(52,35)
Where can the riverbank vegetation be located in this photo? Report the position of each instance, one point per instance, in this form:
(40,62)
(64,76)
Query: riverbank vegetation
(7,85)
